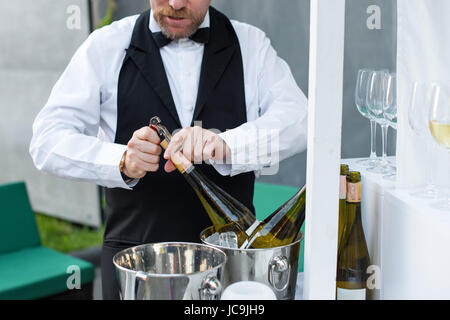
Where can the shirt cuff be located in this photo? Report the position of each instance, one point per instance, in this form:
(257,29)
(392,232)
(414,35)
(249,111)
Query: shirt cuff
(115,174)
(241,153)
(222,168)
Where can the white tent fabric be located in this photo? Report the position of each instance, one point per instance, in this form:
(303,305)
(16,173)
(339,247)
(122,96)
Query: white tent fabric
(423,54)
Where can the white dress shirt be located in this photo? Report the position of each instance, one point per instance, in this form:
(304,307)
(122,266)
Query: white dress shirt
(182,61)
(73,135)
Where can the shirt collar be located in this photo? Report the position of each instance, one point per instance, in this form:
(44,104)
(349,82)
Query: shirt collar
(154,26)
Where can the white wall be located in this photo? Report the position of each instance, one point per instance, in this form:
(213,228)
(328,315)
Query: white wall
(35,48)
(423,55)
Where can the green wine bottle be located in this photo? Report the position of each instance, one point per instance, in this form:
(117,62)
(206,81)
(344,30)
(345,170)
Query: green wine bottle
(225,212)
(342,202)
(282,227)
(353,259)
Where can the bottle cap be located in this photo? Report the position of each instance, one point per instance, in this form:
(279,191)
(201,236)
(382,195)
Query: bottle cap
(344,169)
(354,176)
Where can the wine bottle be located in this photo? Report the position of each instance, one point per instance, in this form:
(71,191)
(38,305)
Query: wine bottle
(282,227)
(226,213)
(342,202)
(353,259)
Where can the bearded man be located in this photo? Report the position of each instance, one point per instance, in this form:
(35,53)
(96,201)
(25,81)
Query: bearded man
(186,63)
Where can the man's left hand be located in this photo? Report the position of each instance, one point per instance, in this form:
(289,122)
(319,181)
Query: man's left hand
(197,145)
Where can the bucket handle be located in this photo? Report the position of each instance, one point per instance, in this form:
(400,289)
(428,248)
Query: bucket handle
(210,288)
(132,284)
(279,264)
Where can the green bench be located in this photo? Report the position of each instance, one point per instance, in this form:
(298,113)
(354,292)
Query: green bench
(27,269)
(269,197)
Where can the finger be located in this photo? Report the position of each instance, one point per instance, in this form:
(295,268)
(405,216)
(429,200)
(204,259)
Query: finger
(188,145)
(220,150)
(148,167)
(208,150)
(148,147)
(199,143)
(136,160)
(148,134)
(175,143)
(169,166)
(192,141)
(148,158)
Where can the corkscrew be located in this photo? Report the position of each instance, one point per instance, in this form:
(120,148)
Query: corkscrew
(163,133)
(182,164)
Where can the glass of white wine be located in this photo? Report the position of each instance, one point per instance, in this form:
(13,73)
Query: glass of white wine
(439,125)
(421,97)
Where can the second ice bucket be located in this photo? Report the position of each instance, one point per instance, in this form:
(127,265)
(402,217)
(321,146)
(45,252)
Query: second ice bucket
(276,267)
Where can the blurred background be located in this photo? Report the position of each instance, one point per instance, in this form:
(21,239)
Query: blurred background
(40,36)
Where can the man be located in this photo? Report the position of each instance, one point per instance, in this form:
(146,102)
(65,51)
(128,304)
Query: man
(185,62)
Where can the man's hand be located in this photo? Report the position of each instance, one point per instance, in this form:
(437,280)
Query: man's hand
(197,145)
(142,153)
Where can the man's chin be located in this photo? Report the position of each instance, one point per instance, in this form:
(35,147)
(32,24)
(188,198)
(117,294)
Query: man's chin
(177,33)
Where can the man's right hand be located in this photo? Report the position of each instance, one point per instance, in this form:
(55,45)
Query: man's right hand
(143,153)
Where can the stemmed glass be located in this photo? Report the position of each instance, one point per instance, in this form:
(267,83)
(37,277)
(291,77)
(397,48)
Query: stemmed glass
(439,124)
(390,112)
(376,96)
(361,104)
(420,103)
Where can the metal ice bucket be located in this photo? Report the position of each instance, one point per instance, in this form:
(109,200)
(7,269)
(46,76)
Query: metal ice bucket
(170,271)
(276,267)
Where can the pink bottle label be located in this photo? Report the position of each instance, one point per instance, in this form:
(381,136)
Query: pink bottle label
(354,192)
(343,188)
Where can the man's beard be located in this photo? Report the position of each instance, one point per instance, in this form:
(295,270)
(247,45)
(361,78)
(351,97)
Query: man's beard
(196,21)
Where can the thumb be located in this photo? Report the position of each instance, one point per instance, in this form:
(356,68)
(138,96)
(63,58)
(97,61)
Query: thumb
(169,166)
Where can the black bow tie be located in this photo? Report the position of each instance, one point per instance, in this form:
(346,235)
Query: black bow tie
(200,36)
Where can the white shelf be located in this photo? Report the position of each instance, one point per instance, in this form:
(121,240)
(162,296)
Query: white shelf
(415,248)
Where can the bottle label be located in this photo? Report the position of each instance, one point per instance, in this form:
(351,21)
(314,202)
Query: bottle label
(252,228)
(351,294)
(354,192)
(343,187)
(249,232)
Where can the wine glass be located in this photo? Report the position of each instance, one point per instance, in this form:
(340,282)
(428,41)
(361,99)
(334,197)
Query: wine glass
(390,113)
(376,96)
(417,118)
(361,104)
(439,124)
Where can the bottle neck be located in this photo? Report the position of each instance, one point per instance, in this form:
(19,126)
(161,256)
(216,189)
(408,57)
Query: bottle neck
(290,209)
(353,204)
(181,163)
(298,206)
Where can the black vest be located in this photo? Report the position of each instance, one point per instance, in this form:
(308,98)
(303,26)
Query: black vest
(162,206)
